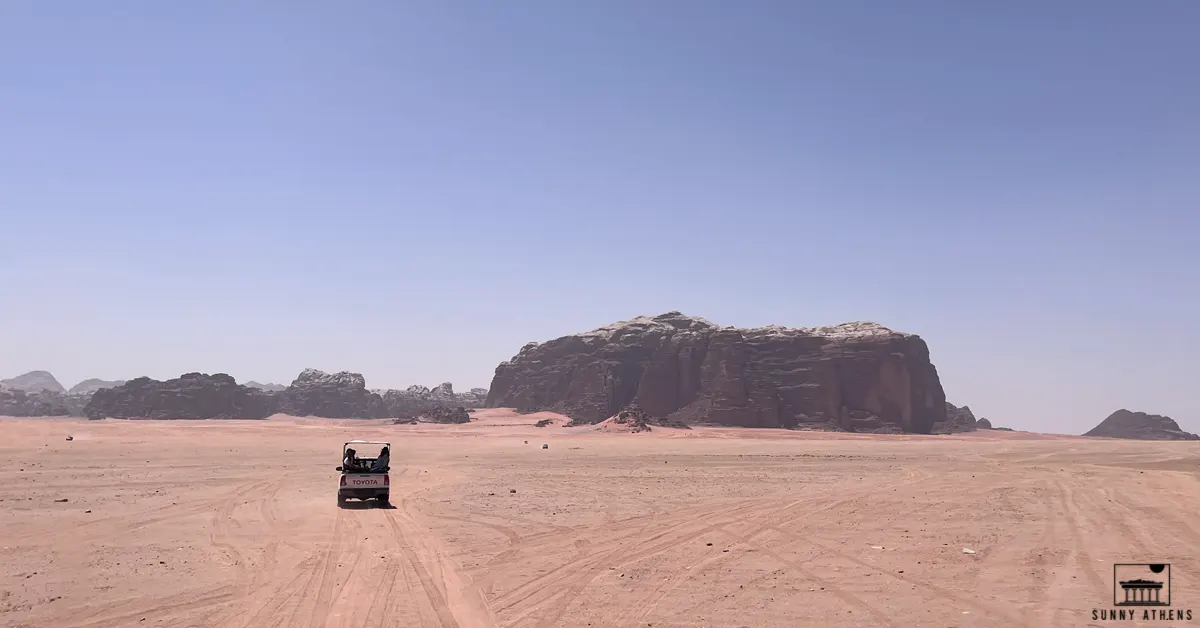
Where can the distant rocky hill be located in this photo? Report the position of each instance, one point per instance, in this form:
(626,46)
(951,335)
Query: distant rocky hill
(89,386)
(1140,426)
(38,393)
(314,393)
(266,387)
(860,377)
(33,381)
(15,402)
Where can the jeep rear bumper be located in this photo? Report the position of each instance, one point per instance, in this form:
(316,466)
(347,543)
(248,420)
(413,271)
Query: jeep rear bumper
(362,493)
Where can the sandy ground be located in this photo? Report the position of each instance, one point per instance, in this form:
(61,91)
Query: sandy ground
(235,524)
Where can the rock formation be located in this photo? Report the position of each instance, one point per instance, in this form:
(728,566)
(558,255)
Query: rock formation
(1140,426)
(16,402)
(190,396)
(89,386)
(983,424)
(447,415)
(957,420)
(418,400)
(38,393)
(33,381)
(196,396)
(341,395)
(634,419)
(859,377)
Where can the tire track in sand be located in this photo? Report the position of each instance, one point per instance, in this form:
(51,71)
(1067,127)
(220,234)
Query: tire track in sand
(768,517)
(638,611)
(435,596)
(327,586)
(572,578)
(119,613)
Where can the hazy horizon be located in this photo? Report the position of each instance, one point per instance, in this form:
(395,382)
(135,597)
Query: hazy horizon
(413,191)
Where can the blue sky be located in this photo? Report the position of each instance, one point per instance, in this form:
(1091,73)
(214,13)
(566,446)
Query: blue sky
(414,190)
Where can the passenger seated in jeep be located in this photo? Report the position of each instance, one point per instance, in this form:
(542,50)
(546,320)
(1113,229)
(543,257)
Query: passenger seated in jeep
(352,464)
(381,463)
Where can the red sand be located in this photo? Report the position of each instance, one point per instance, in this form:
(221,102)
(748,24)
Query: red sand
(235,524)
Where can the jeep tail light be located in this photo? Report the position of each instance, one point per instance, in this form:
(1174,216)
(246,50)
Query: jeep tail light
(385,480)
(343,480)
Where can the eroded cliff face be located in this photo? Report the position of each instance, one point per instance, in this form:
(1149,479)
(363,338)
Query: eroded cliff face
(858,377)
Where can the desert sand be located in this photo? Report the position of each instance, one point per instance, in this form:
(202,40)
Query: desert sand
(234,524)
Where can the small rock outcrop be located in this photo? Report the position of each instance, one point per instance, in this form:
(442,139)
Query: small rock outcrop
(90,386)
(341,395)
(983,424)
(1140,426)
(634,419)
(957,420)
(447,415)
(33,381)
(859,377)
(190,396)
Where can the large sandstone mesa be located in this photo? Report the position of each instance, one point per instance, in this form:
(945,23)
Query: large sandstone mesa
(1140,426)
(190,396)
(859,377)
